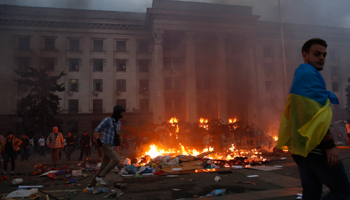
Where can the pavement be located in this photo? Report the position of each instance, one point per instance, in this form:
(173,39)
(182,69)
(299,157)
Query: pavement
(283,183)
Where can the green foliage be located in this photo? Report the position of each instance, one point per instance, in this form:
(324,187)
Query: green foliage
(347,90)
(39,108)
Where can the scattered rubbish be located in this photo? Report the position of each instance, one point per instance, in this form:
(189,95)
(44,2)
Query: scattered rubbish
(131,169)
(277,166)
(17,181)
(252,176)
(247,182)
(176,169)
(128,175)
(237,167)
(176,189)
(72,193)
(49,172)
(147,174)
(34,196)
(77,173)
(29,186)
(190,180)
(138,176)
(217,178)
(142,168)
(127,161)
(21,193)
(218,192)
(299,196)
(283,158)
(103,190)
(171,176)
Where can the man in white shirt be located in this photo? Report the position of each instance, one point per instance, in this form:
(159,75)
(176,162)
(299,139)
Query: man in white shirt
(41,143)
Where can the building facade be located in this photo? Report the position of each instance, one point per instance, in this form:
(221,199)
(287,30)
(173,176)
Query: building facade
(178,59)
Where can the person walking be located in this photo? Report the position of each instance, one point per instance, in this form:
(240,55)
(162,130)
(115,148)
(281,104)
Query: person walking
(70,145)
(347,129)
(24,148)
(107,137)
(41,143)
(85,146)
(304,128)
(8,150)
(56,143)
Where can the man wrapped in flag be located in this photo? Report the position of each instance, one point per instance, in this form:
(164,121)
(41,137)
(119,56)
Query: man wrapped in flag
(304,128)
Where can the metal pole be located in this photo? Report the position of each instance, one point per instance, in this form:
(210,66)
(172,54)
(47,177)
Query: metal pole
(284,55)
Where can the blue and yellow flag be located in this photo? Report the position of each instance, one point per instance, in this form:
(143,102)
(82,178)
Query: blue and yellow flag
(308,113)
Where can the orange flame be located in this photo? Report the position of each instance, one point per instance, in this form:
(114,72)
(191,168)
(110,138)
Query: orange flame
(231,121)
(275,138)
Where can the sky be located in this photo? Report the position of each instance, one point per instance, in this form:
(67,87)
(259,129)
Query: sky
(334,13)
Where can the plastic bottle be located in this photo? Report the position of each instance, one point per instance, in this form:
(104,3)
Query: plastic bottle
(103,190)
(218,192)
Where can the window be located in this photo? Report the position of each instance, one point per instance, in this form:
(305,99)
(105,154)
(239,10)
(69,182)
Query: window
(177,83)
(121,65)
(73,64)
(24,43)
(121,46)
(332,56)
(268,51)
(121,85)
(176,64)
(73,85)
(167,63)
(167,83)
(72,126)
(144,85)
(121,102)
(268,70)
(335,87)
(50,43)
(168,104)
(49,64)
(97,65)
(143,65)
(98,45)
(22,63)
(269,86)
(21,87)
(334,71)
(73,44)
(97,106)
(143,46)
(98,85)
(73,106)
(144,105)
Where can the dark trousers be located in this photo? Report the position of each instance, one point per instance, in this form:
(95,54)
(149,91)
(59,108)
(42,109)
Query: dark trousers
(24,153)
(315,171)
(41,150)
(69,150)
(6,158)
(84,150)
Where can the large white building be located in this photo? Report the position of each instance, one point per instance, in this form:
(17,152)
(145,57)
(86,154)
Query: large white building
(178,59)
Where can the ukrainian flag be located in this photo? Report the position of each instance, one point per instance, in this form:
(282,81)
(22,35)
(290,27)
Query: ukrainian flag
(308,113)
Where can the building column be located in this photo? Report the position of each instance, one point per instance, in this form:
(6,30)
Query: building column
(191,90)
(221,78)
(157,93)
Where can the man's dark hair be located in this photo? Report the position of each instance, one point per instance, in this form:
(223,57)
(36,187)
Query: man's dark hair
(9,133)
(307,45)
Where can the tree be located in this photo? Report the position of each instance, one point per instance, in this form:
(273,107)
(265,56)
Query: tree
(348,100)
(38,109)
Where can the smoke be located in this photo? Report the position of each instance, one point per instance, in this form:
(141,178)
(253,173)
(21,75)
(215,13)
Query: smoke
(315,12)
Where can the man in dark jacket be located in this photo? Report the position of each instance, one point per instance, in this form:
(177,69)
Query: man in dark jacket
(24,148)
(85,145)
(8,150)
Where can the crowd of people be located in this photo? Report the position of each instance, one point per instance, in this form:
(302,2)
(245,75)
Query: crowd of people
(12,147)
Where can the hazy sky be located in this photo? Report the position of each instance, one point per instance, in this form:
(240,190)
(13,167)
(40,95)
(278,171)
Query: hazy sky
(334,13)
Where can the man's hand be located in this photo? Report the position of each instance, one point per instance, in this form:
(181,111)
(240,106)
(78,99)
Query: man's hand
(332,157)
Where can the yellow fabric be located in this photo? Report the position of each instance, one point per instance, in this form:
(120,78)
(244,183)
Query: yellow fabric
(304,124)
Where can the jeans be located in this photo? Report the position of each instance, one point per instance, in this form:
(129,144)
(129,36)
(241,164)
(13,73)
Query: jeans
(41,150)
(8,156)
(109,161)
(24,154)
(315,171)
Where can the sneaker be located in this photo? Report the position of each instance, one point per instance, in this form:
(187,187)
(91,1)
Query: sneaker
(3,172)
(101,181)
(92,190)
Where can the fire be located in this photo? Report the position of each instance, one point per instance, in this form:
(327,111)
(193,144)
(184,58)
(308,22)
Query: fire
(275,138)
(203,123)
(173,121)
(231,121)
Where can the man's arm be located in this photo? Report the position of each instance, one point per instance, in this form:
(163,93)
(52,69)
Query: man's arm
(331,149)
